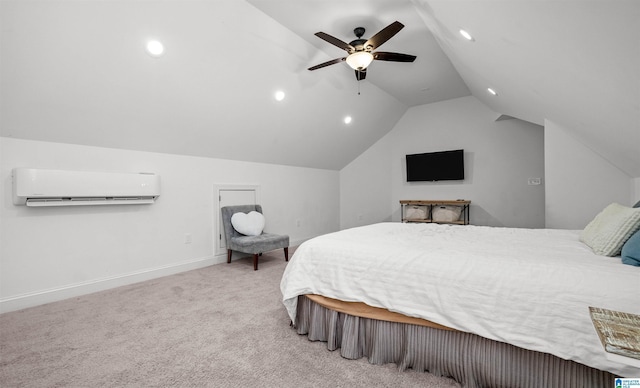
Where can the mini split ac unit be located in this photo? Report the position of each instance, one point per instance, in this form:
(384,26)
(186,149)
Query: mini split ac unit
(37,187)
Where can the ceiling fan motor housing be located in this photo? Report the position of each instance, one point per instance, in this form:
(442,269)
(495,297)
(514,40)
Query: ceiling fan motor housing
(358,44)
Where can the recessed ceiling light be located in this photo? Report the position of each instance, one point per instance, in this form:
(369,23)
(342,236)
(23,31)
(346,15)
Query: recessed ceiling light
(347,120)
(155,48)
(279,95)
(466,35)
(492,92)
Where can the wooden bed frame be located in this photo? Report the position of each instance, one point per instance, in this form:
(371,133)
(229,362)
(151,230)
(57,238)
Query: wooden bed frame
(359,309)
(382,336)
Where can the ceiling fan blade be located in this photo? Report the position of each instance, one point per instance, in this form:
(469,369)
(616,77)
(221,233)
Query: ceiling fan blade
(361,74)
(393,57)
(384,35)
(327,63)
(336,42)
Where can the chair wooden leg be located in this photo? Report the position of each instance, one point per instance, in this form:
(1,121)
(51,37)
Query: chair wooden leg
(286,254)
(228,255)
(255,262)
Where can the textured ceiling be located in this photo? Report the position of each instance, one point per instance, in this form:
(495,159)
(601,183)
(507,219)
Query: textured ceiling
(76,72)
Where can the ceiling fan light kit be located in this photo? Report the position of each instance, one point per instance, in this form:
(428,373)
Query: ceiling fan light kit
(155,48)
(359,60)
(360,50)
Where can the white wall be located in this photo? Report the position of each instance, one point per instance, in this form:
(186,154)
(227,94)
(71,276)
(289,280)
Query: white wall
(53,253)
(365,187)
(580,183)
(635,195)
(500,156)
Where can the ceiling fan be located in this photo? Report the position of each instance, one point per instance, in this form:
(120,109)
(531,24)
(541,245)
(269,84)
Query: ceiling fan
(360,50)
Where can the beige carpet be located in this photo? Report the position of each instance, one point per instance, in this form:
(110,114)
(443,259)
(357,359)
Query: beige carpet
(220,326)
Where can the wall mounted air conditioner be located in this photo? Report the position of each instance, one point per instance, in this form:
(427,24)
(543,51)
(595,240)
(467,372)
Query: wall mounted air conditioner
(37,187)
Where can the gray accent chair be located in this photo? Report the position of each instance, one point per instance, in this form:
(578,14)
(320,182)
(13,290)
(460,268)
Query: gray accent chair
(254,245)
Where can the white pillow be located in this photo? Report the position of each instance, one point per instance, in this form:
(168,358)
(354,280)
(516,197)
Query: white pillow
(249,224)
(610,229)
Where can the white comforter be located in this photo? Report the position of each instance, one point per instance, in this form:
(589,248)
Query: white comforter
(527,287)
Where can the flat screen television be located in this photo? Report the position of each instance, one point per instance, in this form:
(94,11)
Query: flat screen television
(436,166)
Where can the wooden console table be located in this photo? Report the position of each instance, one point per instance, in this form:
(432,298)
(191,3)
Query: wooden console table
(429,205)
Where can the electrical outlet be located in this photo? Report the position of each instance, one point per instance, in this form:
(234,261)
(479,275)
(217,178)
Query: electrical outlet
(187,238)
(534,181)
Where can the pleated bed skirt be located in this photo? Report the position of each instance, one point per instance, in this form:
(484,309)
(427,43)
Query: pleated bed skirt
(471,360)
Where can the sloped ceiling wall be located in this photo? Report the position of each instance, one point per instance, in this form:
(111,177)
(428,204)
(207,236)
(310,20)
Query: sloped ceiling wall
(572,62)
(76,72)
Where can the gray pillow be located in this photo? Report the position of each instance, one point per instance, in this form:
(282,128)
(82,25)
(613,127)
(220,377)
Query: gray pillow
(637,204)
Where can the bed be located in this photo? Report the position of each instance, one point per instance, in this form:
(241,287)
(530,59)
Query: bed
(491,306)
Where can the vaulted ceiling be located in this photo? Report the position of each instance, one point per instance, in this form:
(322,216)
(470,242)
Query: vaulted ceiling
(77,72)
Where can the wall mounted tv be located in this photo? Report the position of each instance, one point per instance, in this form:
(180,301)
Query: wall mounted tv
(436,166)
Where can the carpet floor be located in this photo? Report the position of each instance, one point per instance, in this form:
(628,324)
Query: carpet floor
(219,326)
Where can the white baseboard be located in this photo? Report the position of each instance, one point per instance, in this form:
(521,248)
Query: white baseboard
(37,298)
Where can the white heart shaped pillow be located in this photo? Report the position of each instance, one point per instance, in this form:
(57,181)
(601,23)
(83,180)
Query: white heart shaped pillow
(249,224)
